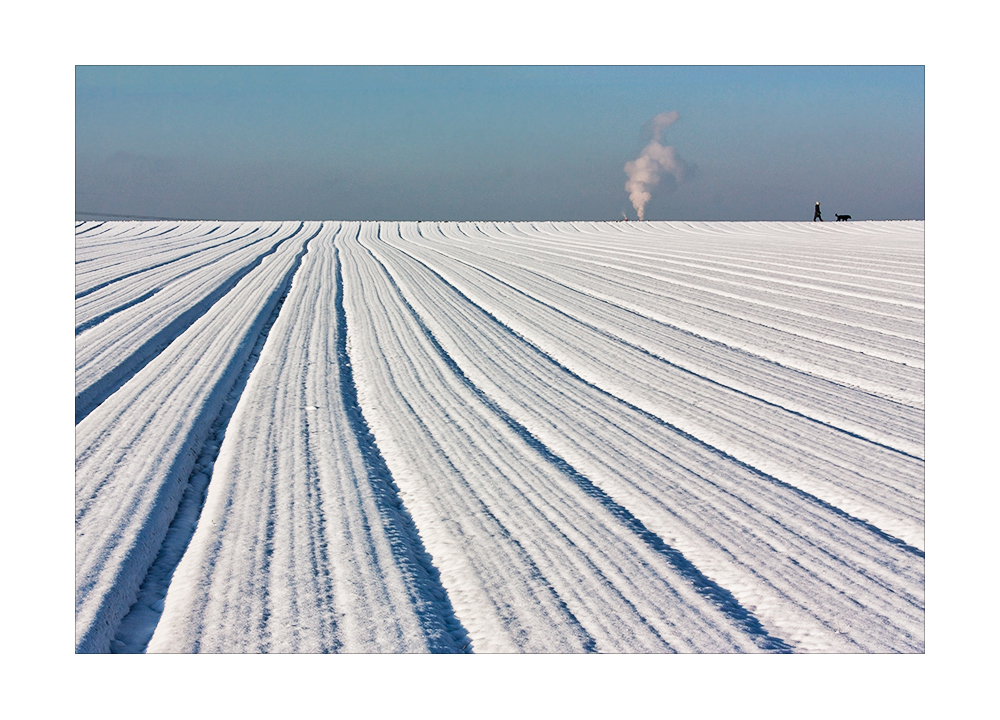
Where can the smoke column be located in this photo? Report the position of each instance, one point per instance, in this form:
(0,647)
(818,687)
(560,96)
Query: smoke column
(644,172)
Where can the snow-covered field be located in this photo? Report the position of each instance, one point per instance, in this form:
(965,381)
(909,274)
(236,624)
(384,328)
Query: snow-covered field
(496,437)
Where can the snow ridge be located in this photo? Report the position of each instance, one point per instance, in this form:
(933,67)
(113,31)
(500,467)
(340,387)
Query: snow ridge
(109,365)
(499,437)
(718,595)
(137,627)
(303,544)
(135,453)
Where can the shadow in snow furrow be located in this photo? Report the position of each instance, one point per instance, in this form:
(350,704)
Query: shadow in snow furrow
(100,224)
(130,238)
(502,607)
(720,597)
(663,423)
(114,311)
(167,496)
(100,390)
(141,234)
(138,626)
(104,284)
(80,233)
(104,316)
(441,627)
(699,376)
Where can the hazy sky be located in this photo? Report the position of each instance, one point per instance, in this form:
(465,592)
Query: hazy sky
(497,143)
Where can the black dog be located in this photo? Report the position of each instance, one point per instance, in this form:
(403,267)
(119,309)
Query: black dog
(841,217)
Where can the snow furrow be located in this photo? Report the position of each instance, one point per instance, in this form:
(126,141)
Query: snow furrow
(633,463)
(629,258)
(647,294)
(774,313)
(499,516)
(499,437)
(845,408)
(136,452)
(866,480)
(108,354)
(137,626)
(111,276)
(734,328)
(159,276)
(303,545)
(782,272)
(131,245)
(706,587)
(95,258)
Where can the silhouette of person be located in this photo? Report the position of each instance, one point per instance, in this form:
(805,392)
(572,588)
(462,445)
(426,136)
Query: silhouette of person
(816,215)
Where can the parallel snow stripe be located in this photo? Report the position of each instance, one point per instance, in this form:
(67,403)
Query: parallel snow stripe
(135,454)
(101,255)
(662,270)
(845,473)
(506,605)
(129,242)
(625,259)
(603,574)
(780,261)
(138,625)
(450,442)
(717,594)
(785,241)
(770,314)
(814,355)
(726,386)
(563,320)
(201,268)
(429,597)
(780,264)
(704,357)
(831,283)
(303,544)
(884,624)
(98,319)
(721,385)
(172,258)
(88,226)
(100,376)
(154,263)
(629,536)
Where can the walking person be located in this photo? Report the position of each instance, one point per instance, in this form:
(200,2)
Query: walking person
(816,215)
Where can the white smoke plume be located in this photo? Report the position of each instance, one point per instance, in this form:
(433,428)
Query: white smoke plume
(644,172)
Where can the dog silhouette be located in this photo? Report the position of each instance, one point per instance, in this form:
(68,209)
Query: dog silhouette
(841,217)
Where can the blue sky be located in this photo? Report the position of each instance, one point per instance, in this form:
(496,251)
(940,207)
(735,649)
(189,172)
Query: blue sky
(495,142)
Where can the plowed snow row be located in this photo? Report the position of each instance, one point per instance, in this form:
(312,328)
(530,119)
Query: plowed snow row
(542,437)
